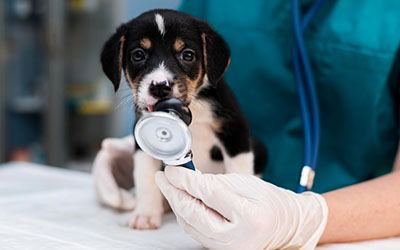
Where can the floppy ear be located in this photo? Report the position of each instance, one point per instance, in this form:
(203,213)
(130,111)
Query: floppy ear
(216,53)
(112,56)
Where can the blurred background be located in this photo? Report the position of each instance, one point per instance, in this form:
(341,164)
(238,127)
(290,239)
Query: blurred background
(56,105)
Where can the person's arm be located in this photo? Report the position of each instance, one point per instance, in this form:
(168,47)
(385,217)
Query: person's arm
(397,161)
(369,210)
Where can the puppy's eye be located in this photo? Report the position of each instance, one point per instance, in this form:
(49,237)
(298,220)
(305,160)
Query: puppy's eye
(187,55)
(138,55)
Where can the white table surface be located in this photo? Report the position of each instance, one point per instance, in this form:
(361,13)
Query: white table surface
(52,208)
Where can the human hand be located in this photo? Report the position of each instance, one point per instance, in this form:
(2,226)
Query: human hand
(236,211)
(113,173)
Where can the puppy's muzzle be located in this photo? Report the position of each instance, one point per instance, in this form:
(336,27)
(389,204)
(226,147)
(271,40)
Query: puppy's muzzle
(160,89)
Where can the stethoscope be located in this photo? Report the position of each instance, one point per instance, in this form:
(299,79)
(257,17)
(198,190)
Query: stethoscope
(307,96)
(164,133)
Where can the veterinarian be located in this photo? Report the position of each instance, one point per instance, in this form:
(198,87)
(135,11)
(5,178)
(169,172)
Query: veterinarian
(353,48)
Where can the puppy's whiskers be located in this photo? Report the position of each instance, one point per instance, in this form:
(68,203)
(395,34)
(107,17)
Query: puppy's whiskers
(128,100)
(125,97)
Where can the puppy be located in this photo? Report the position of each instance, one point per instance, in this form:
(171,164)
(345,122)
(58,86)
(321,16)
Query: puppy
(164,54)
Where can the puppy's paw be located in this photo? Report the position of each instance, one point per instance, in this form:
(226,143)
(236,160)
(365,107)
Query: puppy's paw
(144,220)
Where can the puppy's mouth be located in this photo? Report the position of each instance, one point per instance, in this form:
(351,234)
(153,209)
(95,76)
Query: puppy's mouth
(150,108)
(148,102)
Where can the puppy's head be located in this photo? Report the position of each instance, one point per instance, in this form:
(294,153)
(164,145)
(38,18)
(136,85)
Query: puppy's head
(165,53)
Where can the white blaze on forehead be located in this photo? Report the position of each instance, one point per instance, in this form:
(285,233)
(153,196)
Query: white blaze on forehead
(160,23)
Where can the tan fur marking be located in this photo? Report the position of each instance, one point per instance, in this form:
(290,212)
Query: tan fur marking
(217,125)
(178,45)
(203,39)
(134,85)
(192,85)
(128,78)
(186,109)
(227,65)
(121,50)
(145,43)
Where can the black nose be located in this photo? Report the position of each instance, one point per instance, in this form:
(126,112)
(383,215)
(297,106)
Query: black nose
(160,89)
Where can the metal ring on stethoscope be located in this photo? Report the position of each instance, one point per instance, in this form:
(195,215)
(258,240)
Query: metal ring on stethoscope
(163,136)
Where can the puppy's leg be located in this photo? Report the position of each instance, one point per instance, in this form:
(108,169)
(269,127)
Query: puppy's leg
(149,208)
(249,162)
(240,163)
(234,136)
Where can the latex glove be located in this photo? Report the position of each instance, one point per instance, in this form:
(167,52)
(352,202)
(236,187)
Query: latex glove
(236,211)
(113,173)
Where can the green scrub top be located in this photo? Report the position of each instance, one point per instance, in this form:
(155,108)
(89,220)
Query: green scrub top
(352,47)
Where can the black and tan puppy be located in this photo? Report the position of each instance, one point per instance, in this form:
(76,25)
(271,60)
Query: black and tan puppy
(165,53)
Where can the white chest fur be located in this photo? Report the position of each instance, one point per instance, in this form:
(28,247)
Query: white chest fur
(204,138)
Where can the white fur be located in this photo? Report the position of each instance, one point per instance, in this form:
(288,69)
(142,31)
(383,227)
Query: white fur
(204,138)
(149,209)
(175,90)
(159,74)
(160,23)
(241,163)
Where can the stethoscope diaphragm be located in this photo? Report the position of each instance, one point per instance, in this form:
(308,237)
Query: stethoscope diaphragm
(163,136)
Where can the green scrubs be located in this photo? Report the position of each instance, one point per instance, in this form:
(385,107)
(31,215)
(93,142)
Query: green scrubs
(352,47)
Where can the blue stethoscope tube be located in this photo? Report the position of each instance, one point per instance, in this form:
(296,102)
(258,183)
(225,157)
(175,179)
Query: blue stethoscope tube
(189,165)
(307,96)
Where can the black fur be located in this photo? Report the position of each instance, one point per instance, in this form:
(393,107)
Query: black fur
(234,131)
(217,51)
(110,57)
(260,155)
(216,154)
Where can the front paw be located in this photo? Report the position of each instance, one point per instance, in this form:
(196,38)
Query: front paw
(144,220)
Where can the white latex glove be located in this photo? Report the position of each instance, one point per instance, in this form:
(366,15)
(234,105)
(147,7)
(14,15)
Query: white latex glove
(113,173)
(237,211)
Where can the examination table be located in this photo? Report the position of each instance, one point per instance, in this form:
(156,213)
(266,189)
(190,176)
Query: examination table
(52,208)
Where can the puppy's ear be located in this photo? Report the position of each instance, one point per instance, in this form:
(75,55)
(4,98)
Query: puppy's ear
(216,53)
(112,56)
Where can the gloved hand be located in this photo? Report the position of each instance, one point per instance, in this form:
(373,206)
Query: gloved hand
(113,173)
(236,211)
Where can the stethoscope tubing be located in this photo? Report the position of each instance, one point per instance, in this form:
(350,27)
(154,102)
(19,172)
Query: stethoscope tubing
(306,92)
(189,165)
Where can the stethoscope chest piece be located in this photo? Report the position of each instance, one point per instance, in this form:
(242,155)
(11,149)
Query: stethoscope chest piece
(164,134)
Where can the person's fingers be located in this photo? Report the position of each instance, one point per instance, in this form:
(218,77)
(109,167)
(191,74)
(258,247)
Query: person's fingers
(106,187)
(120,152)
(191,209)
(122,170)
(207,239)
(106,182)
(119,146)
(204,187)
(204,240)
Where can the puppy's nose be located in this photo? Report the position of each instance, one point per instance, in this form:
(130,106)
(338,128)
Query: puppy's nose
(160,89)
